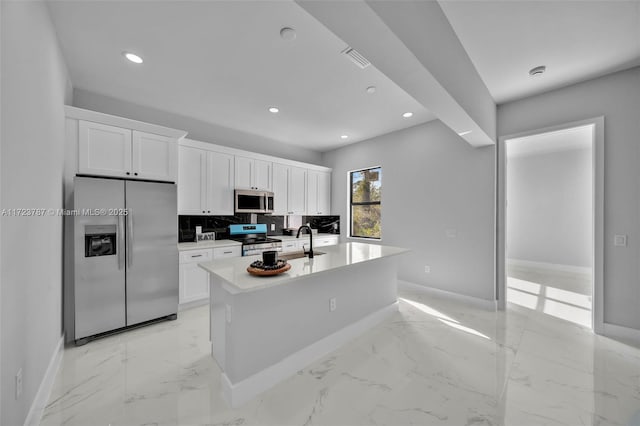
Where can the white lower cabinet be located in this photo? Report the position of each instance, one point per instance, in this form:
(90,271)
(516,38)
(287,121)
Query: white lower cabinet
(323,241)
(288,246)
(194,281)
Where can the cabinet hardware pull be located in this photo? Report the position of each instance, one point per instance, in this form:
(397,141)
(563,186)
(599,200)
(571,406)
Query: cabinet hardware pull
(196,255)
(228,252)
(128,173)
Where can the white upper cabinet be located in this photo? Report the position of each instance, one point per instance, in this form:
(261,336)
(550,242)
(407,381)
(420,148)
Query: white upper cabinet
(263,174)
(297,190)
(289,188)
(280,188)
(206,182)
(251,173)
(318,192)
(154,157)
(220,183)
(192,181)
(103,150)
(107,150)
(324,193)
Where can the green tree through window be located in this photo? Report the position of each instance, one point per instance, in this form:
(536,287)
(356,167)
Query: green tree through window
(366,196)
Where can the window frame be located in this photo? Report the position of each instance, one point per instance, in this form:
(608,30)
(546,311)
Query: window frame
(368,203)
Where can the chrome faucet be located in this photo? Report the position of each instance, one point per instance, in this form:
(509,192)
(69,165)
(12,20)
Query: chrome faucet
(310,252)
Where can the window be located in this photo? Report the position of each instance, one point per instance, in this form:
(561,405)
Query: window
(366,193)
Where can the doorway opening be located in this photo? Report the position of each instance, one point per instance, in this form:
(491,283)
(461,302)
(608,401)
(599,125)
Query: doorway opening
(549,255)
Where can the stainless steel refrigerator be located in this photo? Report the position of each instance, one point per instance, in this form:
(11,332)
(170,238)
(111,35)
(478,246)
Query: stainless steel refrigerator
(126,256)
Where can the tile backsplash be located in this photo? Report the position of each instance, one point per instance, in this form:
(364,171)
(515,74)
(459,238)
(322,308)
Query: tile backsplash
(220,224)
(325,224)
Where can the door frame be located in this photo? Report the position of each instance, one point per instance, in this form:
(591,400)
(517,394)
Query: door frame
(597,213)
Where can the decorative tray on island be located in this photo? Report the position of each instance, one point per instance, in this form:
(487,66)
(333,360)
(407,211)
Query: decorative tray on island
(258,268)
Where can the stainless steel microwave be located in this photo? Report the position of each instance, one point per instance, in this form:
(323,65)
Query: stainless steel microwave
(252,201)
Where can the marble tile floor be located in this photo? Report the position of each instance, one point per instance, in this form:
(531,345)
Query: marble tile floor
(435,362)
(565,295)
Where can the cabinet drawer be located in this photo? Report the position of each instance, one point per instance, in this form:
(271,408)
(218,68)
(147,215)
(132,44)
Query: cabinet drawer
(224,252)
(192,256)
(325,241)
(290,246)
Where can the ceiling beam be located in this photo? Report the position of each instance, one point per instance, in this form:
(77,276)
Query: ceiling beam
(413,44)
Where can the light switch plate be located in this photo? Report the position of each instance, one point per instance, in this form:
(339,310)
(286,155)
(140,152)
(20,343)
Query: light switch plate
(620,240)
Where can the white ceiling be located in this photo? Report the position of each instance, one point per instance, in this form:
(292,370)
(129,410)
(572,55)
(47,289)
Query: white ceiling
(545,143)
(576,40)
(224,62)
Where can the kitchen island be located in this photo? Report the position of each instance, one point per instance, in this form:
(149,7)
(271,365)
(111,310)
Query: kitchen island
(265,329)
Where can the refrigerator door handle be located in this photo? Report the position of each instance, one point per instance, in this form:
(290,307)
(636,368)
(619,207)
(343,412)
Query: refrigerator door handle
(121,242)
(129,238)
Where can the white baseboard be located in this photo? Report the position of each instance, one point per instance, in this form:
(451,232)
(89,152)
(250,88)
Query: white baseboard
(239,393)
(46,385)
(490,305)
(551,266)
(621,332)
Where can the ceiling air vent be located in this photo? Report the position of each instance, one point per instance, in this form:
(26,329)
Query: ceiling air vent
(356,58)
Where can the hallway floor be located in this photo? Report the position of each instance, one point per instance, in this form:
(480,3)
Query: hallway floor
(435,362)
(565,295)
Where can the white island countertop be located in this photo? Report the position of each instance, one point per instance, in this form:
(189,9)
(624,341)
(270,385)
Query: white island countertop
(234,270)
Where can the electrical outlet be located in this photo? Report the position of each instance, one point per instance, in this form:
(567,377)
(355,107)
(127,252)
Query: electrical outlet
(620,240)
(273,226)
(227,313)
(332,304)
(19,384)
(427,269)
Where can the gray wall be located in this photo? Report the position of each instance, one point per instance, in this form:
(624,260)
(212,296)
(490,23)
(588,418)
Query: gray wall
(617,98)
(433,181)
(35,87)
(549,207)
(198,130)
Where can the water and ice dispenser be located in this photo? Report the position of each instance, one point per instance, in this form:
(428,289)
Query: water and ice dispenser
(99,240)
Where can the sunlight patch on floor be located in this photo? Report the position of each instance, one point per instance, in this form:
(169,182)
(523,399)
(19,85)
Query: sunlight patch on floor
(557,302)
(445,319)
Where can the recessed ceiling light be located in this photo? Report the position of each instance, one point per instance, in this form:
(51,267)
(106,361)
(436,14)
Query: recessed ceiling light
(371,90)
(133,57)
(344,137)
(464,133)
(288,34)
(407,115)
(537,70)
(274,110)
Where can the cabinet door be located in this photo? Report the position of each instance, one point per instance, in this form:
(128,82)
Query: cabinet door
(324,193)
(103,150)
(154,157)
(262,174)
(220,183)
(280,189)
(312,192)
(244,173)
(297,189)
(192,181)
(194,283)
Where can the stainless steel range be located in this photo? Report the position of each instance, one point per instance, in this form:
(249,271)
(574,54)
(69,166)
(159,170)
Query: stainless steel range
(254,238)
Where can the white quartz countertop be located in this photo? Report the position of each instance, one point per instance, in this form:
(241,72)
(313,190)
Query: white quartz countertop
(208,244)
(234,270)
